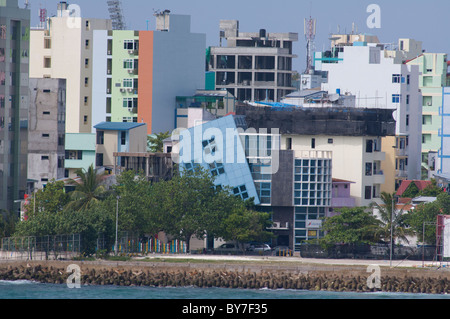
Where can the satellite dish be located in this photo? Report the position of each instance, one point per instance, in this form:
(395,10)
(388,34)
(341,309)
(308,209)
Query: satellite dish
(334,97)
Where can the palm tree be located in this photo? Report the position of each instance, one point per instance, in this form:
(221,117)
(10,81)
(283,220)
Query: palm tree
(88,190)
(388,213)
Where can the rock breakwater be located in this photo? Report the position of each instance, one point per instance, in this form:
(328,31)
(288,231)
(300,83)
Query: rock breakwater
(222,278)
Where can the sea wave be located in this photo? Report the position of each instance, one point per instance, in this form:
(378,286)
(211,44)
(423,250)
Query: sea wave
(16,282)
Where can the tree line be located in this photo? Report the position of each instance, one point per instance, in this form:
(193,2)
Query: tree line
(187,206)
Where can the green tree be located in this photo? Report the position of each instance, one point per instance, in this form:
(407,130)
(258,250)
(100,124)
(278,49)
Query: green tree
(7,223)
(351,226)
(425,216)
(432,190)
(388,213)
(135,203)
(411,192)
(88,190)
(43,209)
(155,143)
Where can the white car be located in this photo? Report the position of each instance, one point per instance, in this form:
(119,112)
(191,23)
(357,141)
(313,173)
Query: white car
(263,248)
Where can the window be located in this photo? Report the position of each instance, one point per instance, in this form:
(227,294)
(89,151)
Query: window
(45,135)
(216,169)
(396,78)
(369,169)
(289,143)
(128,64)
(368,192)
(130,44)
(407,120)
(129,102)
(99,159)
(47,43)
(209,147)
(395,98)
(407,99)
(369,146)
(86,100)
(44,158)
(88,25)
(408,79)
(191,167)
(313,143)
(123,138)
(241,191)
(47,63)
(86,63)
(85,119)
(46,113)
(86,82)
(330,141)
(86,44)
(100,137)
(128,83)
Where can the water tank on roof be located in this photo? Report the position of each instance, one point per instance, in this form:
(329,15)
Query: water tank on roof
(262,33)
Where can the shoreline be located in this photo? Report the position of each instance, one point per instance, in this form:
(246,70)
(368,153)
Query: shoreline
(239,272)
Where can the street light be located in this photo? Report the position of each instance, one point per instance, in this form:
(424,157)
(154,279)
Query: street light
(392,230)
(117,223)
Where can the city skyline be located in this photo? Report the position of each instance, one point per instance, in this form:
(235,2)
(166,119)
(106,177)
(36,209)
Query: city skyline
(399,19)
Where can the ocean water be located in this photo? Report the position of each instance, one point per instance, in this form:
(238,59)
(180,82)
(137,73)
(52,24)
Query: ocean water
(32,290)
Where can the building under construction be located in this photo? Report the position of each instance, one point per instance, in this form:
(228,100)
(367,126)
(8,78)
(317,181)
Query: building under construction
(253,66)
(320,121)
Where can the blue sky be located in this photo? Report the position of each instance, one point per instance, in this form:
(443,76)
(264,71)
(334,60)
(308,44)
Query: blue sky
(421,20)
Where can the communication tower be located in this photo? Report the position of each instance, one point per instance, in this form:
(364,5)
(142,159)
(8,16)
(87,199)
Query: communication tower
(116,14)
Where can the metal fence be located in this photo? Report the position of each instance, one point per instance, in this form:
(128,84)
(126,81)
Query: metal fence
(377,252)
(59,247)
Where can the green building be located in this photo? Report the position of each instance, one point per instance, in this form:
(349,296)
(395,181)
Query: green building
(433,68)
(14,77)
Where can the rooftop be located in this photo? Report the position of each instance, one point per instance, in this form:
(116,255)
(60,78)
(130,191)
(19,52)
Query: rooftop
(117,126)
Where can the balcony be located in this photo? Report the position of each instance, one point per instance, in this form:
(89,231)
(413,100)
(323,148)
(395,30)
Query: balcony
(401,152)
(401,174)
(378,177)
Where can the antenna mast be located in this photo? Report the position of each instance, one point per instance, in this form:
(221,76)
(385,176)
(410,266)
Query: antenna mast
(116,14)
(310,35)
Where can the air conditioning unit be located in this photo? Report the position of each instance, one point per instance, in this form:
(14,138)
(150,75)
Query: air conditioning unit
(276,225)
(122,90)
(131,71)
(131,51)
(108,91)
(130,109)
(109,52)
(130,90)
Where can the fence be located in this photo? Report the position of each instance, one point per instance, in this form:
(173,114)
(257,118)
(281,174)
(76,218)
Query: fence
(131,244)
(377,252)
(41,248)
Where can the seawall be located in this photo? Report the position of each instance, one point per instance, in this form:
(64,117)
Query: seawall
(233,275)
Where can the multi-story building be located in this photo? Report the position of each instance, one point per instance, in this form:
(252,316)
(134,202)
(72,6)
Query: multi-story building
(139,74)
(433,68)
(14,77)
(63,50)
(80,152)
(253,66)
(118,137)
(379,78)
(352,135)
(46,130)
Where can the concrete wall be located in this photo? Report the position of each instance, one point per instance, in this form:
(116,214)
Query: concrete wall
(46,116)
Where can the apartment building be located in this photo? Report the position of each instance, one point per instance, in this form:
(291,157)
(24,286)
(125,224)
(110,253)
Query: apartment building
(46,130)
(379,78)
(63,50)
(433,68)
(253,66)
(139,74)
(14,103)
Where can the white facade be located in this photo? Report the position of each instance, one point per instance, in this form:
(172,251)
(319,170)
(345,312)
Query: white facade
(354,158)
(64,50)
(378,82)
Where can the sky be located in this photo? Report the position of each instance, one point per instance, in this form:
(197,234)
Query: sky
(421,20)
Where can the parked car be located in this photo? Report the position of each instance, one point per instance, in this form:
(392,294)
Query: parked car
(260,248)
(227,247)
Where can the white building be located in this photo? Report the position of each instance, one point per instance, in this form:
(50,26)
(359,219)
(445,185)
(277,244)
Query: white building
(378,79)
(64,50)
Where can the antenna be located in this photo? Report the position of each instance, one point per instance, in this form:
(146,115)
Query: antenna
(310,35)
(27,4)
(116,14)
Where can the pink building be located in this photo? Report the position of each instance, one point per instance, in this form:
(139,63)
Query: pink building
(341,196)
